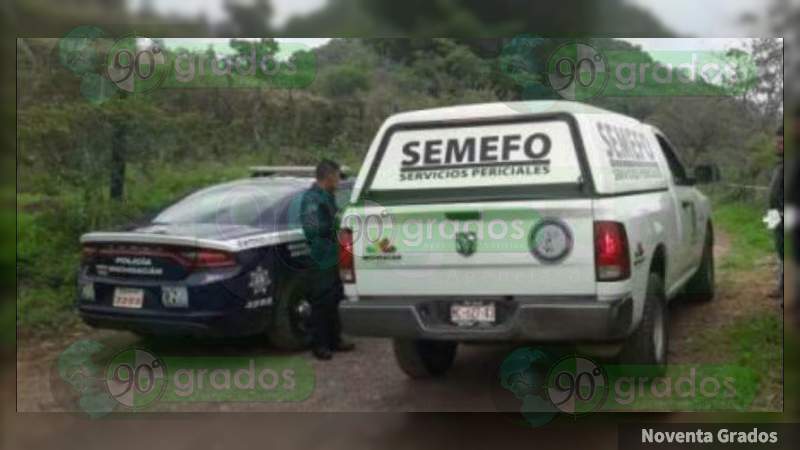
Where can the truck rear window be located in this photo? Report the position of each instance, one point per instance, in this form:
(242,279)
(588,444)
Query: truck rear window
(462,160)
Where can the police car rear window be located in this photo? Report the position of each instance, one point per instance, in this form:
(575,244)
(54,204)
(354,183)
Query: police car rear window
(465,158)
(236,204)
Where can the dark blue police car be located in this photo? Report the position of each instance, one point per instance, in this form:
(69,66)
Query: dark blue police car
(229,260)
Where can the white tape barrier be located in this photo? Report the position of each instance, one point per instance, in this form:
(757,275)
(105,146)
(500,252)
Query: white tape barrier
(747,186)
(773,219)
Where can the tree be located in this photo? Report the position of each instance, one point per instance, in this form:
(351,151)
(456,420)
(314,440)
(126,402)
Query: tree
(478,18)
(260,53)
(767,91)
(343,81)
(249,20)
(781,18)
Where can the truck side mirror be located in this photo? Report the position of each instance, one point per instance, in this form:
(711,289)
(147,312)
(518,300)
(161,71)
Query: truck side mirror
(707,174)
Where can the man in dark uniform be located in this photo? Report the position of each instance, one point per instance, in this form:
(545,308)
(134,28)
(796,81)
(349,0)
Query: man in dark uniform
(318,215)
(776,203)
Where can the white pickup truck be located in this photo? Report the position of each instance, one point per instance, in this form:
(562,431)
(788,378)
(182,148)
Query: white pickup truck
(550,222)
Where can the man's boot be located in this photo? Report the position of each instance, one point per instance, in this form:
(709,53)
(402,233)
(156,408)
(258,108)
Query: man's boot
(322,354)
(344,346)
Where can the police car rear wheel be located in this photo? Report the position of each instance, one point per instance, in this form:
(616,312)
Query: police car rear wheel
(289,329)
(424,359)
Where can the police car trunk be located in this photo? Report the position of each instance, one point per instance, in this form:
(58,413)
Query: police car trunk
(477,223)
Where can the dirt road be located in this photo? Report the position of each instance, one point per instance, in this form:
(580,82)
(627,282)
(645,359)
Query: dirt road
(367,380)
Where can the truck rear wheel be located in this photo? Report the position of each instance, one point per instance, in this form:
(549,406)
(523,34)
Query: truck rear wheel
(424,359)
(649,344)
(290,329)
(701,287)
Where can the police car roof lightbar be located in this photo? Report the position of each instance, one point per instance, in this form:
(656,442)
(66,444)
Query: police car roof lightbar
(294,171)
(268,171)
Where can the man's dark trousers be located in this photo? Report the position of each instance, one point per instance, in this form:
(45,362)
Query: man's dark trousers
(326,293)
(779,244)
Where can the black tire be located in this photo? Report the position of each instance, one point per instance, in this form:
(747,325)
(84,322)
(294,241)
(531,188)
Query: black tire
(289,329)
(701,288)
(649,344)
(424,359)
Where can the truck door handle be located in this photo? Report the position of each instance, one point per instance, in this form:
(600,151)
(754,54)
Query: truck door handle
(687,204)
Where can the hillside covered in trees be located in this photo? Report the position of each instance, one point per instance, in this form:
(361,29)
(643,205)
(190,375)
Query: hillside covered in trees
(88,163)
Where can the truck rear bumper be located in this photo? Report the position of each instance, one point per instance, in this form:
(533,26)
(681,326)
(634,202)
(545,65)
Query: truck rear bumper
(542,319)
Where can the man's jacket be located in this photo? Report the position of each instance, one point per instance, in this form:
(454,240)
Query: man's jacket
(318,216)
(794,184)
(776,189)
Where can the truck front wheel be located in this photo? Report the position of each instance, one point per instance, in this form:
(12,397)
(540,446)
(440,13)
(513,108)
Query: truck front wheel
(701,287)
(423,358)
(649,344)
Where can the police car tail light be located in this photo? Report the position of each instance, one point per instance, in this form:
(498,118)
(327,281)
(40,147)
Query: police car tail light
(347,269)
(208,259)
(612,258)
(88,252)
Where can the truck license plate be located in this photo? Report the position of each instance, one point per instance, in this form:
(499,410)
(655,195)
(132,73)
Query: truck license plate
(128,298)
(471,314)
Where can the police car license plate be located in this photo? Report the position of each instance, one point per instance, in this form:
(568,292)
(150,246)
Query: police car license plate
(472,313)
(128,298)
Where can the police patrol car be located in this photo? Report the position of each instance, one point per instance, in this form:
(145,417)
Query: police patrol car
(542,222)
(227,260)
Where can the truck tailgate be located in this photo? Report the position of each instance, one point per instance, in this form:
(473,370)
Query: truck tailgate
(510,248)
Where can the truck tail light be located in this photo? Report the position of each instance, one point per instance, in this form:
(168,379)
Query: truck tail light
(612,257)
(208,259)
(347,268)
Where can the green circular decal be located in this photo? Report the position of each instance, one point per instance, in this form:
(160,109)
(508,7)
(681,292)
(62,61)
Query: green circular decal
(577,385)
(577,71)
(136,64)
(523,375)
(136,378)
(77,51)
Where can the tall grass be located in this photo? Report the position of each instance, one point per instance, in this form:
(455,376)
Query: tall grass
(50,226)
(751,241)
(753,342)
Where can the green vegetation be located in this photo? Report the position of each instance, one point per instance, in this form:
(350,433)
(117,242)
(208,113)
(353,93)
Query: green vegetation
(751,242)
(756,342)
(752,342)
(48,250)
(7,326)
(99,162)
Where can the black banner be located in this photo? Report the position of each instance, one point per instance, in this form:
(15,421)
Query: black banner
(708,436)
